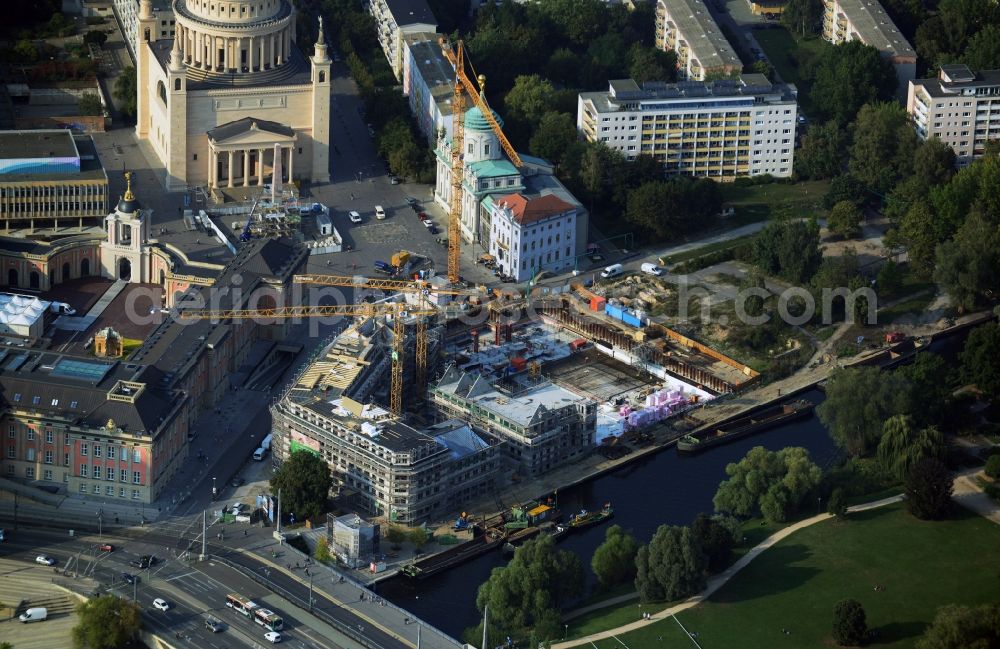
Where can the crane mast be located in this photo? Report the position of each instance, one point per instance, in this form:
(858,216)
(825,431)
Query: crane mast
(457,172)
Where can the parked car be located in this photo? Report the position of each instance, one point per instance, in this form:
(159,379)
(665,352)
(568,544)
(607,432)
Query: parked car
(427,223)
(273,637)
(45,560)
(412,201)
(416,207)
(355,217)
(129,578)
(237,481)
(394,180)
(379,212)
(214,625)
(106,547)
(161,604)
(433,229)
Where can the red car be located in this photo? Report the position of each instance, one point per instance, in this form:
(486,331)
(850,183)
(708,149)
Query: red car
(422,216)
(106,547)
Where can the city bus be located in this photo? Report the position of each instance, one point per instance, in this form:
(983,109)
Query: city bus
(268,619)
(241,604)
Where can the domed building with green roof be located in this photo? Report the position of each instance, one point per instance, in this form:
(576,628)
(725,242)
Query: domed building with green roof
(490,183)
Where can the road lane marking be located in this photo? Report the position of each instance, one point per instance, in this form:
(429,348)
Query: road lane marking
(181,576)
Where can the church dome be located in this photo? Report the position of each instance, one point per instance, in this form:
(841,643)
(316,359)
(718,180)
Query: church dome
(128,204)
(476,121)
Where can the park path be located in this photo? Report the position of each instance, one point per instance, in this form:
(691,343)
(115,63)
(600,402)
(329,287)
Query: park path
(967,493)
(715,582)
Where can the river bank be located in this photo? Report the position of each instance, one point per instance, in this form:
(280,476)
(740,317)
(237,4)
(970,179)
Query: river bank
(647,487)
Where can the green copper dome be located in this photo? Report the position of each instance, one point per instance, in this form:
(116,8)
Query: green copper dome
(476,121)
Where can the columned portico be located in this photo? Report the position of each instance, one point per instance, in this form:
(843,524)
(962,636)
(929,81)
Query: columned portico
(242,150)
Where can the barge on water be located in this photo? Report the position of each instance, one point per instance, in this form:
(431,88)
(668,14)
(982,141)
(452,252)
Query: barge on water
(589,518)
(739,428)
(491,539)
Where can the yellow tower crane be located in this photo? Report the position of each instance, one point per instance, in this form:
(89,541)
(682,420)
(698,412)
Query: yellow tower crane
(395,309)
(402,286)
(456,55)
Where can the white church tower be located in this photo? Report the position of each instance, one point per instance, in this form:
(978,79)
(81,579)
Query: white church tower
(125,252)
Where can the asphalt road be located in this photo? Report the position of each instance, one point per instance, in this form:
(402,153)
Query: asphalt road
(195,590)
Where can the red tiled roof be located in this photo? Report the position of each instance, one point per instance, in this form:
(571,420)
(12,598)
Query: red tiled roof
(527,211)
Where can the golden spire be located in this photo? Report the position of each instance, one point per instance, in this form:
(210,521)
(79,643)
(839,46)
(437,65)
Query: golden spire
(129,196)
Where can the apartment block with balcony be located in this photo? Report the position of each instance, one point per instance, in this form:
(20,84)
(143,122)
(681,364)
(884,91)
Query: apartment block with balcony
(538,426)
(867,21)
(718,129)
(396,18)
(959,107)
(686,28)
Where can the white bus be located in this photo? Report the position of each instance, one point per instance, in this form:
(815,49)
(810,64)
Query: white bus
(268,619)
(241,604)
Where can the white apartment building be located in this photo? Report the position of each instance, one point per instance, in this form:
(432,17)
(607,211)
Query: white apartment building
(531,233)
(718,129)
(686,28)
(428,83)
(867,21)
(127,12)
(959,107)
(396,18)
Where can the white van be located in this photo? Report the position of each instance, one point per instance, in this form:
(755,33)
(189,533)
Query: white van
(34,615)
(259,454)
(651,269)
(614,270)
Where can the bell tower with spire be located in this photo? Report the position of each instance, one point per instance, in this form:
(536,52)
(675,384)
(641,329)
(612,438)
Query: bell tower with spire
(321,109)
(125,251)
(145,32)
(177,117)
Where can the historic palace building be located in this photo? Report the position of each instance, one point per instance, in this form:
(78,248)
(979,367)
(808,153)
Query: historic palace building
(231,98)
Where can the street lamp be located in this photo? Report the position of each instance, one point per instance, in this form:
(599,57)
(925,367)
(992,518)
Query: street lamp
(565,631)
(100,524)
(214,490)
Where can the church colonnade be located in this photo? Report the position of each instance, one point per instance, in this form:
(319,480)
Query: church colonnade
(241,167)
(254,49)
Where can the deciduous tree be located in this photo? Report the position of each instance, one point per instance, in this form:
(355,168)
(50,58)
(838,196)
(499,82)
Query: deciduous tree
(822,152)
(106,622)
(928,489)
(304,480)
(614,560)
(857,401)
(671,566)
(802,16)
(525,595)
(90,104)
(788,249)
(96,37)
(979,359)
(419,537)
(126,92)
(850,626)
(322,551)
(772,483)
(845,220)
(884,145)
(837,503)
(847,77)
(553,137)
(903,445)
(968,267)
(714,539)
(963,627)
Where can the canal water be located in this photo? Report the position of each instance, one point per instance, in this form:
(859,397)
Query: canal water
(664,488)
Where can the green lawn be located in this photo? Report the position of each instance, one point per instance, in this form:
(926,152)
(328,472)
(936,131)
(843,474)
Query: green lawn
(786,52)
(707,249)
(795,584)
(776,200)
(915,305)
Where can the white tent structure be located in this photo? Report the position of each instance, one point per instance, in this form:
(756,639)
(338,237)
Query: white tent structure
(22,315)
